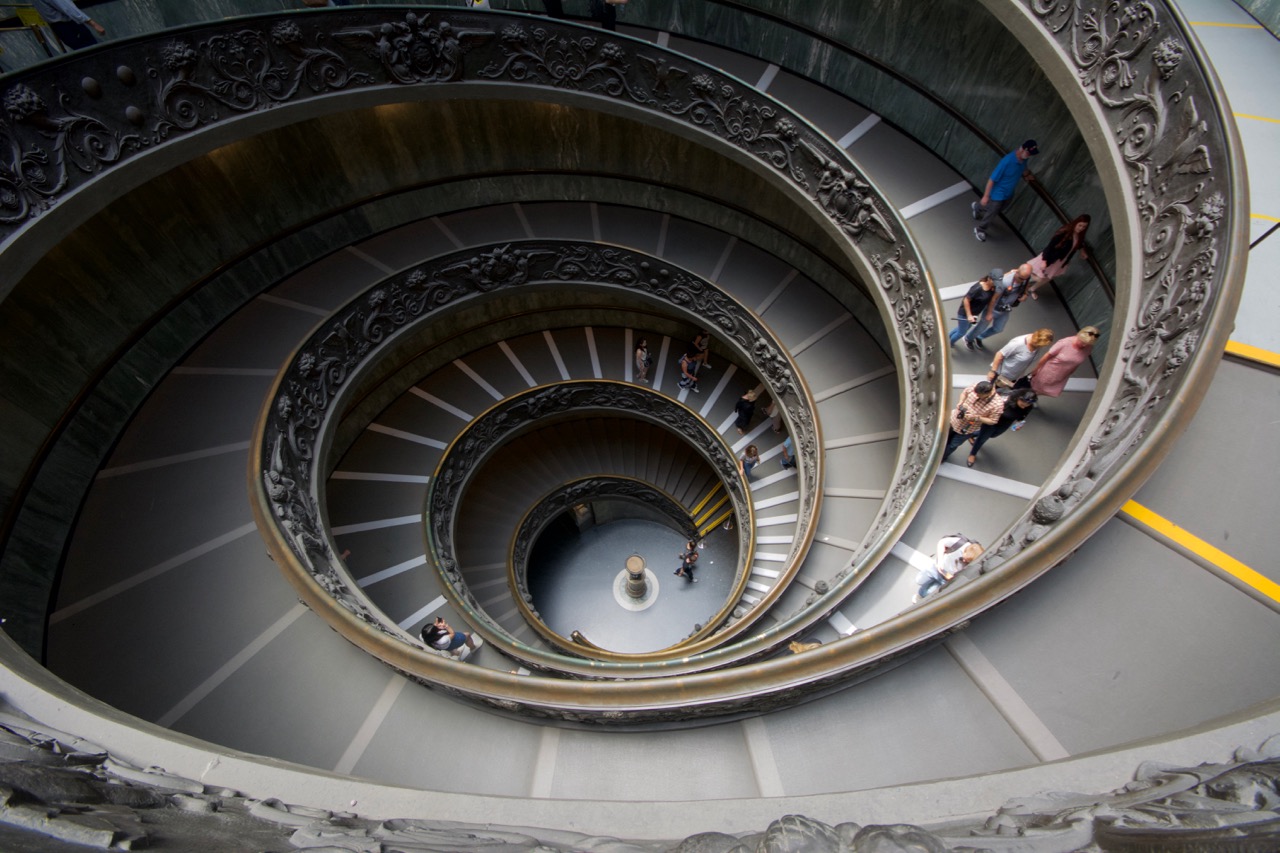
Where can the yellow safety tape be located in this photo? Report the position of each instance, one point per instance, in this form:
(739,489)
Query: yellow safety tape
(1202,549)
(707,528)
(1257,118)
(1252,353)
(703,502)
(723,500)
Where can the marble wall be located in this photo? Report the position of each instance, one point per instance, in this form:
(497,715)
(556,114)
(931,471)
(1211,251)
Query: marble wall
(1266,11)
(960,84)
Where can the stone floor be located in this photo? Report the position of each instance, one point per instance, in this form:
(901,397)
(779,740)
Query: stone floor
(575,589)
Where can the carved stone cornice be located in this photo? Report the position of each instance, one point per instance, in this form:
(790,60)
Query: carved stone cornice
(61,786)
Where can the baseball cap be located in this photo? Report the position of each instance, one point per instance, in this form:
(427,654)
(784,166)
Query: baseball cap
(1031,147)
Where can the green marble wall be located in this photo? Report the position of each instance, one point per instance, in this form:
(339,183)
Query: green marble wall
(1267,12)
(962,55)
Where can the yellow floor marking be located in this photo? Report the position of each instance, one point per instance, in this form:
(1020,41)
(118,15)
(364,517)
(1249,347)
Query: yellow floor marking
(1253,353)
(1264,216)
(1222,24)
(1257,118)
(1203,549)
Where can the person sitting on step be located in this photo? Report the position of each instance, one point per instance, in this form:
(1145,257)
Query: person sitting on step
(440,636)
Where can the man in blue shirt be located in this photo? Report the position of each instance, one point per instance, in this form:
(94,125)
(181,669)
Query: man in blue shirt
(1000,186)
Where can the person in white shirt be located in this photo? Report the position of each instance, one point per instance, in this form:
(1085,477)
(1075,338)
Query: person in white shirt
(1016,358)
(953,554)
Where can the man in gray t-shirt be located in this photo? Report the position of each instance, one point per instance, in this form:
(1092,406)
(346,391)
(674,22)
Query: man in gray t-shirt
(1016,358)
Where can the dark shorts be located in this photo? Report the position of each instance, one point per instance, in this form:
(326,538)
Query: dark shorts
(458,639)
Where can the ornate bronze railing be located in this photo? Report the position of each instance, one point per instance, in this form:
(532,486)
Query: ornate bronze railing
(311,393)
(1161,137)
(97,115)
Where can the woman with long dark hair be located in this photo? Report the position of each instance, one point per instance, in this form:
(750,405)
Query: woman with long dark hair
(1064,243)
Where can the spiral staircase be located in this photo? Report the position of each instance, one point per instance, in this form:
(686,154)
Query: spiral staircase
(169,611)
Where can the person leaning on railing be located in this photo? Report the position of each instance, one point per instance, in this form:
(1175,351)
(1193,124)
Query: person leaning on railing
(952,555)
(440,636)
(69,23)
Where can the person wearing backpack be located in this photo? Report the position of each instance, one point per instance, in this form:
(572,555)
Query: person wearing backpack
(953,554)
(440,636)
(689,371)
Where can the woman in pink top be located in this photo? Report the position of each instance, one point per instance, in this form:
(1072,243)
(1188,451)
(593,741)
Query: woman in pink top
(1051,373)
(1064,243)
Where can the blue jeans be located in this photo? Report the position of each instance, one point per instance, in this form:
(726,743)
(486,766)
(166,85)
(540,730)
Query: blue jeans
(747,465)
(959,331)
(995,327)
(931,583)
(954,440)
(988,432)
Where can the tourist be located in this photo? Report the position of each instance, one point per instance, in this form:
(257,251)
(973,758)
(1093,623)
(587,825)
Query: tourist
(1049,376)
(974,306)
(1000,186)
(952,555)
(1053,259)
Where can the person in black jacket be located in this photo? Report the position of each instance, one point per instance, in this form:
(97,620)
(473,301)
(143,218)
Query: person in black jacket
(688,562)
(745,409)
